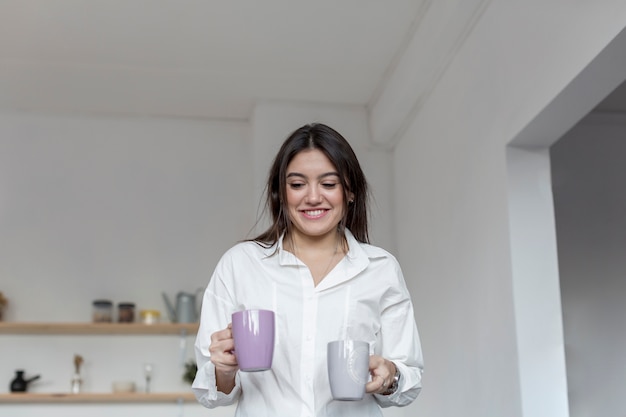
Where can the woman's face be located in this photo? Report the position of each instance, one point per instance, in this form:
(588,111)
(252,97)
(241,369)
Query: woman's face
(314,195)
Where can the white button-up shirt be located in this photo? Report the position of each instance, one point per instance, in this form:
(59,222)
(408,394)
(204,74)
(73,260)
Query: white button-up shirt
(363,298)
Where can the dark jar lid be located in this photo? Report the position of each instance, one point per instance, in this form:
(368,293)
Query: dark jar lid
(102,303)
(126,305)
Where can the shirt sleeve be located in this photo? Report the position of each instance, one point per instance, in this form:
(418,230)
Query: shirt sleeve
(401,342)
(217,306)
(205,389)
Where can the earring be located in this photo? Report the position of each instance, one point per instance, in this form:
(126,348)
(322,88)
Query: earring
(350,201)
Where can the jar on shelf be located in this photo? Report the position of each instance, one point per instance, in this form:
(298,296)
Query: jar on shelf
(150,316)
(126,312)
(102,311)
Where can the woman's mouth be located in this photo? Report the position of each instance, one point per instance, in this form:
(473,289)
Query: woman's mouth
(314,214)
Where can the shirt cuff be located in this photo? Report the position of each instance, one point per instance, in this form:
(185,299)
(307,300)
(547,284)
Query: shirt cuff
(205,388)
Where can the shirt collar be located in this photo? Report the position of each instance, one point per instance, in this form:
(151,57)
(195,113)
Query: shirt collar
(284,257)
(356,260)
(354,249)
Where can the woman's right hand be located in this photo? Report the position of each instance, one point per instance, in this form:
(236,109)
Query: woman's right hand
(222,356)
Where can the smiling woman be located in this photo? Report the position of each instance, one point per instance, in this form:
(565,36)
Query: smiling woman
(315,269)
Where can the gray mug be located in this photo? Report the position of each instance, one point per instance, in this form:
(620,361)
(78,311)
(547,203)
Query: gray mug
(348,368)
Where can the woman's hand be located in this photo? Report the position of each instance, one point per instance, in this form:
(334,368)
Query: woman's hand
(382,372)
(225,361)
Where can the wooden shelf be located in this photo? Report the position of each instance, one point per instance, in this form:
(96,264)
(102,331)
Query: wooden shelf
(98,328)
(134,397)
(40,328)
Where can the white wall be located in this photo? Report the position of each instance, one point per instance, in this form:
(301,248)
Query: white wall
(535,276)
(111,208)
(588,175)
(452,199)
(533,233)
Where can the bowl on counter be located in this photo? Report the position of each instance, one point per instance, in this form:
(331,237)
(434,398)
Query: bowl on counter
(123,386)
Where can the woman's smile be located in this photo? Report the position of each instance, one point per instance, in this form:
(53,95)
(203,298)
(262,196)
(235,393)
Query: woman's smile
(314,214)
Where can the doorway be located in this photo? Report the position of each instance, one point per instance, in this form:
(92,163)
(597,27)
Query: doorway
(546,358)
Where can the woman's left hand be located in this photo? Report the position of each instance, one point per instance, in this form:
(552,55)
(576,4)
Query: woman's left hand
(382,372)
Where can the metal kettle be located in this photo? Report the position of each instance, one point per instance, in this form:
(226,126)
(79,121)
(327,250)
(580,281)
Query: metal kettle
(187,307)
(19,383)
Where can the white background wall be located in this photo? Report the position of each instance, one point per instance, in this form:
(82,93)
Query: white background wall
(588,174)
(111,208)
(451,203)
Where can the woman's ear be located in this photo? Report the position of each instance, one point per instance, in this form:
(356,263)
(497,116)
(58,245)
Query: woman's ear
(350,198)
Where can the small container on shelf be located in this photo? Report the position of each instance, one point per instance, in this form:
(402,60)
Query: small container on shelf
(150,316)
(102,311)
(3,303)
(123,386)
(126,312)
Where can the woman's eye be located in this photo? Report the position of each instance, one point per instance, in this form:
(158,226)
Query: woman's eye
(329,184)
(296,185)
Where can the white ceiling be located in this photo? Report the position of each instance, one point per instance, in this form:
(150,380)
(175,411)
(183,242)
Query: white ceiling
(209,59)
(205,58)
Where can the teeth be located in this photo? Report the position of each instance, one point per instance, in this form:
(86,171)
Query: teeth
(314,212)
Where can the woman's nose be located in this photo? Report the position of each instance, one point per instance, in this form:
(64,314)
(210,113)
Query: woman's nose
(314,196)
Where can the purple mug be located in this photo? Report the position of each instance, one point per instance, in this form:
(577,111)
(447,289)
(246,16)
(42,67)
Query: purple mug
(253,333)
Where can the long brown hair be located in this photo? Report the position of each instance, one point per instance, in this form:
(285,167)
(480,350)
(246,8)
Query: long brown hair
(340,153)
